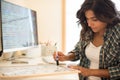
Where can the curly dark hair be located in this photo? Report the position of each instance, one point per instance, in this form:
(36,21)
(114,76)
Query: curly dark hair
(104,11)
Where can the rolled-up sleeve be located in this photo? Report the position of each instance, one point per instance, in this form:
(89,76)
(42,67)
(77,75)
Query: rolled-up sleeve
(114,72)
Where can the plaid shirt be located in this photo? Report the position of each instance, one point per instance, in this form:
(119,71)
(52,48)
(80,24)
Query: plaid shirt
(109,53)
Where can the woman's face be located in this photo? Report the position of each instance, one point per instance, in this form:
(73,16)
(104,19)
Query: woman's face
(95,24)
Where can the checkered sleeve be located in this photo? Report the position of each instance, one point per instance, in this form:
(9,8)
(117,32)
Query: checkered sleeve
(114,72)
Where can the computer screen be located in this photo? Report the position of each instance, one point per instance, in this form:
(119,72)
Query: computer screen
(18,27)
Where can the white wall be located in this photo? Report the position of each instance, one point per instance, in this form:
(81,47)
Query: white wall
(48,18)
(72,29)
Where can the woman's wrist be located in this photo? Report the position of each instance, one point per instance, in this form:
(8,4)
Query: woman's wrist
(70,56)
(98,73)
(67,58)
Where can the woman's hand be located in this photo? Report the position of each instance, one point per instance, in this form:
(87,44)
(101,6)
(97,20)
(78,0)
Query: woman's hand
(61,56)
(92,72)
(84,71)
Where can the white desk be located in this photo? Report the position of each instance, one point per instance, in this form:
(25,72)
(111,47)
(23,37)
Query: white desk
(73,76)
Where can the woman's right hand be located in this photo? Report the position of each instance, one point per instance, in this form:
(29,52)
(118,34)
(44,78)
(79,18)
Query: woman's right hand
(61,56)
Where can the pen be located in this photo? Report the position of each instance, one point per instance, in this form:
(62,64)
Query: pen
(57,58)
(57,61)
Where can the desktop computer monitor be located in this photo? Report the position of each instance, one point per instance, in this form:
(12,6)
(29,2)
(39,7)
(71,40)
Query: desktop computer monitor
(18,27)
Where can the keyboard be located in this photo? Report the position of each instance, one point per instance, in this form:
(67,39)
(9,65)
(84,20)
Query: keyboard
(21,62)
(33,71)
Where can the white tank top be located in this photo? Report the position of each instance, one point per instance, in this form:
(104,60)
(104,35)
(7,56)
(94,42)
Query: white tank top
(92,52)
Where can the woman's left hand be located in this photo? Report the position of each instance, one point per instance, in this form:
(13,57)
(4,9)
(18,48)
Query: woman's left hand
(84,71)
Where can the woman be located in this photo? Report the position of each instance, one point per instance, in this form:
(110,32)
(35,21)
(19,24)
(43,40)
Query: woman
(99,46)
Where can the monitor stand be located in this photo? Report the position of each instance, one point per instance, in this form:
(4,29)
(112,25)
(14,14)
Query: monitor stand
(1,53)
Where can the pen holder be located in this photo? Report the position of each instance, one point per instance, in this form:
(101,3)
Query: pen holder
(47,50)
